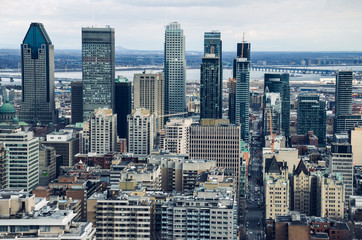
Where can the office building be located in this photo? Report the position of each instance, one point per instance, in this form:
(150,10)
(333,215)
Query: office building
(77,101)
(273,112)
(343,93)
(98,69)
(23,150)
(47,165)
(341,162)
(176,135)
(37,57)
(279,83)
(174,69)
(4,166)
(140,131)
(136,220)
(312,117)
(356,142)
(123,105)
(232,92)
(241,73)
(344,123)
(210,87)
(199,217)
(65,144)
(148,93)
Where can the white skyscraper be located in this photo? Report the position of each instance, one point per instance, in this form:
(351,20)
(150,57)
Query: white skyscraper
(174,69)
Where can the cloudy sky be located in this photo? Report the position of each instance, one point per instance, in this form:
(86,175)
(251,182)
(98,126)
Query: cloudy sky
(270,25)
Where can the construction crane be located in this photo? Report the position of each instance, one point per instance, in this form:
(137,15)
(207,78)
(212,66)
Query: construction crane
(271,132)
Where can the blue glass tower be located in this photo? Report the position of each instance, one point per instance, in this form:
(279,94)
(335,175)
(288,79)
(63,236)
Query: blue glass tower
(37,56)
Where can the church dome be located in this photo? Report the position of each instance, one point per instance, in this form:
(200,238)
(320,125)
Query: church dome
(7,108)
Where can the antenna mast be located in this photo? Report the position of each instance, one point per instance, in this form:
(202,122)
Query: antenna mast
(242,47)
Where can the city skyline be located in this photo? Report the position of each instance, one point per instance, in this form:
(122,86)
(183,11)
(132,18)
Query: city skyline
(324,25)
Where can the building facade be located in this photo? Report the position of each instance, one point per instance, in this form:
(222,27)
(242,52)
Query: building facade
(4,167)
(174,69)
(47,165)
(123,105)
(77,101)
(176,137)
(98,69)
(37,57)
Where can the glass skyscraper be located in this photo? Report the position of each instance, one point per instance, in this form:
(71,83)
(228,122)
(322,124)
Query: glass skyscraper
(241,73)
(37,56)
(98,63)
(123,105)
(279,83)
(174,69)
(343,93)
(312,117)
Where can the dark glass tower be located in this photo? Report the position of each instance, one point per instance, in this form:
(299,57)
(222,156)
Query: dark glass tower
(37,56)
(123,105)
(312,117)
(77,101)
(344,93)
(279,83)
(241,74)
(98,62)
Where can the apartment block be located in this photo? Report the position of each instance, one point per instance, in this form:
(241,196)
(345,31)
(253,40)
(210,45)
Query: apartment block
(176,135)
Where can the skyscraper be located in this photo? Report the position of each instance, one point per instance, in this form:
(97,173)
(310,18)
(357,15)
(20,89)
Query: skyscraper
(312,117)
(279,83)
(174,69)
(210,87)
(37,56)
(148,90)
(77,101)
(273,112)
(232,92)
(98,61)
(343,93)
(241,73)
(123,105)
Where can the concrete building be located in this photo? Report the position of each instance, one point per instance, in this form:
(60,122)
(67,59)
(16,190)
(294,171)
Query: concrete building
(65,144)
(103,161)
(276,189)
(302,189)
(98,69)
(123,104)
(103,131)
(26,217)
(148,93)
(341,161)
(176,135)
(175,69)
(37,57)
(23,150)
(4,167)
(77,101)
(356,142)
(288,155)
(133,216)
(331,195)
(206,215)
(140,131)
(47,165)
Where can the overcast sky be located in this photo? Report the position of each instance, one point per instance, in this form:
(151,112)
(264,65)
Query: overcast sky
(270,25)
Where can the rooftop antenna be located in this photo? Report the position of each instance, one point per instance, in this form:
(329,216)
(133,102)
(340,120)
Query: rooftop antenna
(242,47)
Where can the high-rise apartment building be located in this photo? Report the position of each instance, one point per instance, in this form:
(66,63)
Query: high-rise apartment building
(123,105)
(176,137)
(37,57)
(103,131)
(210,87)
(279,83)
(312,117)
(140,131)
(343,93)
(302,189)
(341,162)
(23,149)
(148,93)
(241,73)
(175,69)
(77,101)
(98,69)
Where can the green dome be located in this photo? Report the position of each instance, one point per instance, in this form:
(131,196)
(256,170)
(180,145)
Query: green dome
(7,108)
(15,119)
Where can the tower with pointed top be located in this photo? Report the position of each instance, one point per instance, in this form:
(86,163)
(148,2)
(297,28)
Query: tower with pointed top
(37,56)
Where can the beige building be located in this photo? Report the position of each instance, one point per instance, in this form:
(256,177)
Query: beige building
(331,195)
(356,142)
(140,131)
(302,187)
(276,189)
(176,135)
(148,93)
(288,155)
(132,216)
